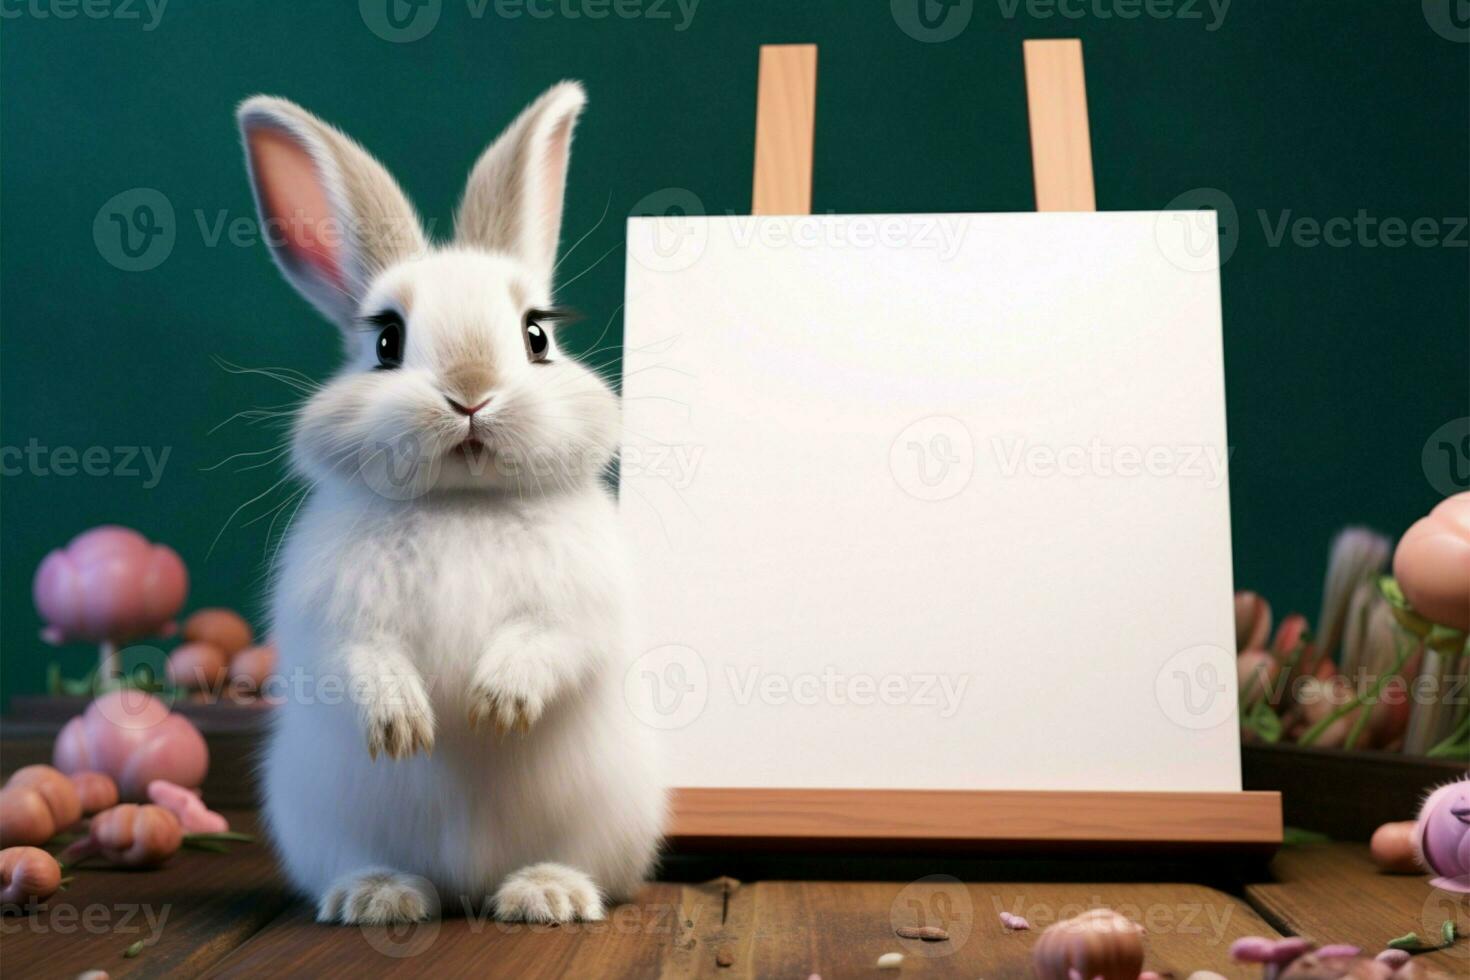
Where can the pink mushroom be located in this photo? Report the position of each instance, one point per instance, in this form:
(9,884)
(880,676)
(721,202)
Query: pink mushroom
(1432,563)
(109,586)
(132,736)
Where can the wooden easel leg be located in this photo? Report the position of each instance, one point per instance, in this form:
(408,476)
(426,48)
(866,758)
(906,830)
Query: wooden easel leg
(1061,145)
(786,105)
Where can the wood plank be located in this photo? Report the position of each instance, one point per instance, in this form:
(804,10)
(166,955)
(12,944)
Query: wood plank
(1333,893)
(724,929)
(652,935)
(1061,145)
(189,913)
(712,815)
(785,117)
(839,929)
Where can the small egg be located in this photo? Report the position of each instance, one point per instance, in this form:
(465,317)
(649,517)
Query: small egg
(1392,848)
(198,666)
(27,874)
(55,788)
(25,817)
(96,790)
(251,666)
(223,628)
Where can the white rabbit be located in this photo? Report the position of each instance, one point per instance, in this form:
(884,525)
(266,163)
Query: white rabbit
(449,604)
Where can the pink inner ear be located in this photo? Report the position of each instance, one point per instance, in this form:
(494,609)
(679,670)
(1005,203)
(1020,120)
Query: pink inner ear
(296,203)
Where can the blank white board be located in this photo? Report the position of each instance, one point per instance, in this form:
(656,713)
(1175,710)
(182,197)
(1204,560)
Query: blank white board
(931,501)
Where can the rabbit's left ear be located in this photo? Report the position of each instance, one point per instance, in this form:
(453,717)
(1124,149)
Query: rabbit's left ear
(332,216)
(513,200)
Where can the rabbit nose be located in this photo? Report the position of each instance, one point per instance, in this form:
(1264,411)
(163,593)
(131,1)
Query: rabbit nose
(463,410)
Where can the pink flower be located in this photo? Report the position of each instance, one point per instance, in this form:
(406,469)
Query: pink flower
(1432,563)
(109,585)
(133,737)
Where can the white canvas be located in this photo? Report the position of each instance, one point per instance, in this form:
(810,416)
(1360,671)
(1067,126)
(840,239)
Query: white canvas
(931,501)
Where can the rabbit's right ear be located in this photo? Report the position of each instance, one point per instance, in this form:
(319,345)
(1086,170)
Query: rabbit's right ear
(330,213)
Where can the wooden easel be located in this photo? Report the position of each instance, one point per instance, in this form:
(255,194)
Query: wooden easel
(1061,158)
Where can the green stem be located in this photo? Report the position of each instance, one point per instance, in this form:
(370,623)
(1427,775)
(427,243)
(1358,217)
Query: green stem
(1451,745)
(1262,690)
(1276,697)
(1315,732)
(108,662)
(1357,729)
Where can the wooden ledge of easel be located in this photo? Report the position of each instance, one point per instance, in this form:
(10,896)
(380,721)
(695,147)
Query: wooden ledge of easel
(976,820)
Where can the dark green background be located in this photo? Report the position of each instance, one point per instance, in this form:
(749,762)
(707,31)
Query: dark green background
(1340,360)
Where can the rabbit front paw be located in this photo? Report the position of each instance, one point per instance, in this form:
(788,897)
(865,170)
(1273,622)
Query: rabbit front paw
(514,681)
(400,734)
(508,711)
(401,723)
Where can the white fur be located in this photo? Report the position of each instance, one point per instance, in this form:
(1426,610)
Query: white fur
(452,628)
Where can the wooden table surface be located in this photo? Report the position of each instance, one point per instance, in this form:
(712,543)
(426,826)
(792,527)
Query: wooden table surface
(228,915)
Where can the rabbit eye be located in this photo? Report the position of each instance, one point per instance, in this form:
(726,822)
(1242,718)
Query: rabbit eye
(536,330)
(390,339)
(538,341)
